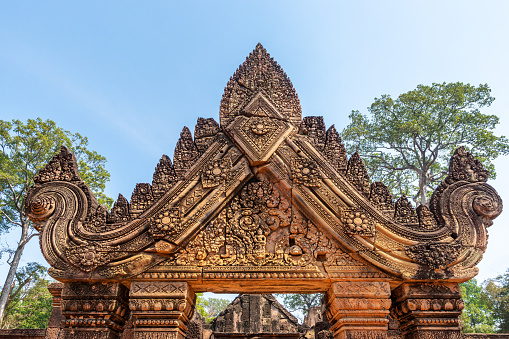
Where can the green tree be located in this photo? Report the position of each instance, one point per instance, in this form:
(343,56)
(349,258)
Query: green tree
(477,317)
(29,304)
(300,302)
(209,308)
(407,142)
(24,149)
(497,290)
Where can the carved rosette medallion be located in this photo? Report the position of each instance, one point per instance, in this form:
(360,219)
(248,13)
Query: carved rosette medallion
(259,136)
(88,257)
(305,172)
(260,131)
(216,172)
(166,222)
(358,222)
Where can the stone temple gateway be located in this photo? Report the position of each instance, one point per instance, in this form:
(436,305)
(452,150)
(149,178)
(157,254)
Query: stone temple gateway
(266,201)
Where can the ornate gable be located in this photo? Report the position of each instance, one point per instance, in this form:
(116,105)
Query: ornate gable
(263,196)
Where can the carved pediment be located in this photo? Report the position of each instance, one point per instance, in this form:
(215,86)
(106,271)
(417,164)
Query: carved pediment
(265,194)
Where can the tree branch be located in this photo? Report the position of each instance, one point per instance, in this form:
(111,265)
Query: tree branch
(10,220)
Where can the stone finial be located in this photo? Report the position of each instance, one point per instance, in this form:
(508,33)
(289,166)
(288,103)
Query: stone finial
(381,197)
(404,212)
(357,174)
(62,167)
(205,133)
(120,211)
(164,176)
(315,130)
(140,199)
(185,153)
(259,73)
(463,166)
(335,151)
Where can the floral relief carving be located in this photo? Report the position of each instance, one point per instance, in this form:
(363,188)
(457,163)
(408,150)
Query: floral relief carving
(165,222)
(305,172)
(216,172)
(260,131)
(258,227)
(88,257)
(358,222)
(434,255)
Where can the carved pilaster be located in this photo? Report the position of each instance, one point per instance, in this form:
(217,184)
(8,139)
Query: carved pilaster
(55,319)
(428,310)
(161,309)
(358,310)
(93,311)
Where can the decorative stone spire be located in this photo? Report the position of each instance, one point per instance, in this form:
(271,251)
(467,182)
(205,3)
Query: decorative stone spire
(140,199)
(381,198)
(315,130)
(463,166)
(405,212)
(357,174)
(335,151)
(259,73)
(185,153)
(164,177)
(120,210)
(62,167)
(427,220)
(205,133)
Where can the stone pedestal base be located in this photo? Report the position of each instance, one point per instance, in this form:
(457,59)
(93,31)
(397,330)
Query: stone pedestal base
(428,311)
(93,311)
(161,310)
(358,310)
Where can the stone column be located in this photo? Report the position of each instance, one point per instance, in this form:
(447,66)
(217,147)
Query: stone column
(94,311)
(55,318)
(358,310)
(160,309)
(428,310)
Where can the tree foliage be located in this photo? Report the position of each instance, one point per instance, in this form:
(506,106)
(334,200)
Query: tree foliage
(497,291)
(407,142)
(29,304)
(477,317)
(209,308)
(24,149)
(300,302)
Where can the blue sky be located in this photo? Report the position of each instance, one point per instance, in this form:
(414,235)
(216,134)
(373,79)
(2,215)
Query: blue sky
(129,75)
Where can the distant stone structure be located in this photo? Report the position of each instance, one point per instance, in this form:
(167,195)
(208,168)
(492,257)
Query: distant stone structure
(263,202)
(255,315)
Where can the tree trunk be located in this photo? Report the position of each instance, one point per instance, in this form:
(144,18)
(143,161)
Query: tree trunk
(422,188)
(12,272)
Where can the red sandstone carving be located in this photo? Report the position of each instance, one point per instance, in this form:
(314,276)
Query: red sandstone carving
(264,202)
